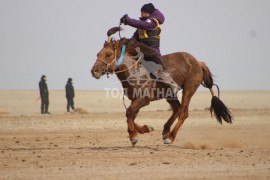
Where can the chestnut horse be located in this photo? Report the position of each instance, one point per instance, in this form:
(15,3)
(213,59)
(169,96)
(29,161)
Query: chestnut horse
(186,71)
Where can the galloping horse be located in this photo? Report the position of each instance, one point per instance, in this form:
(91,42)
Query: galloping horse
(186,71)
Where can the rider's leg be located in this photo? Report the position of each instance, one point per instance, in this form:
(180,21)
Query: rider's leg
(164,75)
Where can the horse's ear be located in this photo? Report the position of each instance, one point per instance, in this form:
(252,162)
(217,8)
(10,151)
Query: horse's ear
(116,45)
(120,43)
(105,43)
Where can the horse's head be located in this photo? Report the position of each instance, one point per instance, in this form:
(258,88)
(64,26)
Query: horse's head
(108,55)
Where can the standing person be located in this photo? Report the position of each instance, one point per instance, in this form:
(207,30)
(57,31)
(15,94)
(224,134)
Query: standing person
(70,95)
(148,32)
(44,95)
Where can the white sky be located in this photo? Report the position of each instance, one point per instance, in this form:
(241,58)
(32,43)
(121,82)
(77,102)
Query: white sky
(60,38)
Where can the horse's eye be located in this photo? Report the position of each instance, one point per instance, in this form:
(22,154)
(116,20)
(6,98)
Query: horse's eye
(108,54)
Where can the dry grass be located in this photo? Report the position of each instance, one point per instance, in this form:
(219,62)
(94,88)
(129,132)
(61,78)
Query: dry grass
(4,113)
(81,111)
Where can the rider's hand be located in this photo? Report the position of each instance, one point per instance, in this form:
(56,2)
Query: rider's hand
(123,20)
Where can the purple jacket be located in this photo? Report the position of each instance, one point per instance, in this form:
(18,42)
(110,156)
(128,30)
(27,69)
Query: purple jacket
(146,23)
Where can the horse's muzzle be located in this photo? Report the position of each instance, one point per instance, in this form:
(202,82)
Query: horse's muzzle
(96,74)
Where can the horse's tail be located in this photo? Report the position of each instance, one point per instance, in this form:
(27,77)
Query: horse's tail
(217,106)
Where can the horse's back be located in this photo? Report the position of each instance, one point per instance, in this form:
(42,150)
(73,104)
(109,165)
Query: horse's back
(179,57)
(182,66)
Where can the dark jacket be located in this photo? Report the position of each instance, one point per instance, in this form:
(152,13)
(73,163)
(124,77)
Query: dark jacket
(43,89)
(69,90)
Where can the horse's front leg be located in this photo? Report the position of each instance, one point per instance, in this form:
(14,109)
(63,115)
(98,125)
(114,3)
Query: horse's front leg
(131,113)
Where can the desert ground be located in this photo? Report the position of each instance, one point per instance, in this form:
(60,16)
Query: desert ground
(93,142)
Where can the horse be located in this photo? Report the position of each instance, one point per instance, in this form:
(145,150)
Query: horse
(186,71)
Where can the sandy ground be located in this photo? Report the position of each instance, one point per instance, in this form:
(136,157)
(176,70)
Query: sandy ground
(95,145)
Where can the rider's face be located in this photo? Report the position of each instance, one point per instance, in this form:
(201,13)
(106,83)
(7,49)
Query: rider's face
(145,14)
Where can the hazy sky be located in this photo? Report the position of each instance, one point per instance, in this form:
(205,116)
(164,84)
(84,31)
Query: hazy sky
(60,38)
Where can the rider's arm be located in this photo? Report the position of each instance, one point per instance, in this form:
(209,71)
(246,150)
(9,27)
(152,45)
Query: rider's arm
(149,24)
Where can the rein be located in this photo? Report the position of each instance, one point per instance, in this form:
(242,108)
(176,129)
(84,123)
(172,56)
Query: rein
(119,32)
(136,62)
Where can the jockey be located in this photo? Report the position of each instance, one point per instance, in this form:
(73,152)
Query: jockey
(148,32)
(148,27)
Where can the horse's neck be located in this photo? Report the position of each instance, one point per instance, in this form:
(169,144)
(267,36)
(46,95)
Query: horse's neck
(130,69)
(128,61)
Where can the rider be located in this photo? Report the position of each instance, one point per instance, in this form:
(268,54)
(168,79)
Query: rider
(148,32)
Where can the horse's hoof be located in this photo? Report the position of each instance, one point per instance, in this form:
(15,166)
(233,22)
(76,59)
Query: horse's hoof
(164,137)
(167,141)
(150,128)
(134,142)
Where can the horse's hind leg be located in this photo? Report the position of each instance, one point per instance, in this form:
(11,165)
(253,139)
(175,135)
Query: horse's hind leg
(175,104)
(183,112)
(131,113)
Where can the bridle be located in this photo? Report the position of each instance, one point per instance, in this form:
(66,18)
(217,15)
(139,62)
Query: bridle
(117,62)
(106,70)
